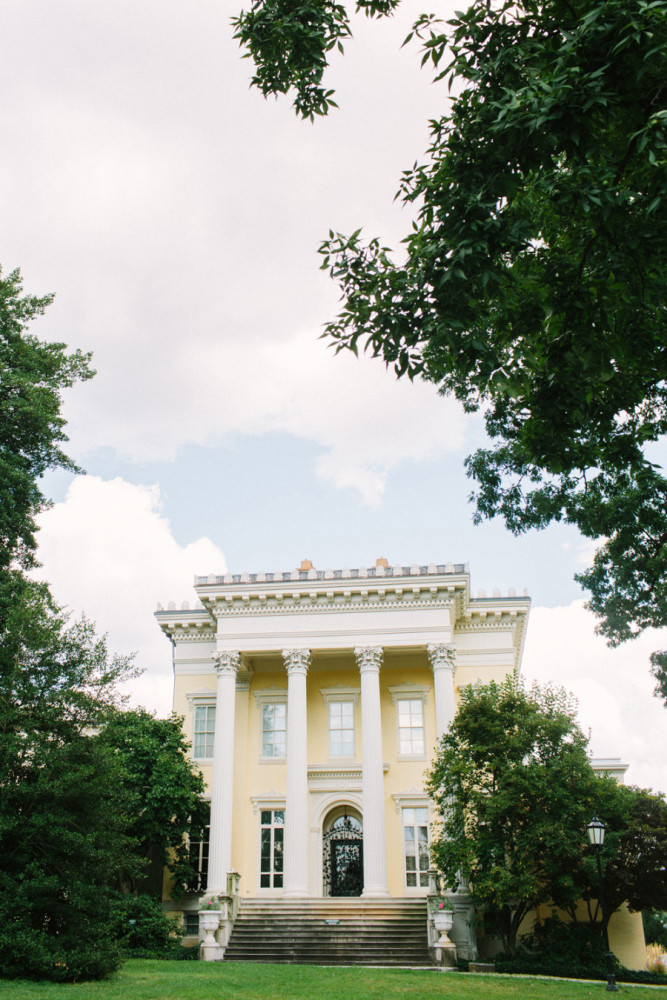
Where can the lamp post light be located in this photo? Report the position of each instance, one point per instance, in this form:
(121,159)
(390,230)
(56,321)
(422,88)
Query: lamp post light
(596,831)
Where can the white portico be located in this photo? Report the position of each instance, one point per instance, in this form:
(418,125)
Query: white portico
(313,700)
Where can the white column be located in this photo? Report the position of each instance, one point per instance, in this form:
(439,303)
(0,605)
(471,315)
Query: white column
(296,798)
(372,773)
(442,657)
(222,783)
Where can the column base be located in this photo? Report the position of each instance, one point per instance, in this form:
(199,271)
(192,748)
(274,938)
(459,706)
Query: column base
(296,893)
(375,892)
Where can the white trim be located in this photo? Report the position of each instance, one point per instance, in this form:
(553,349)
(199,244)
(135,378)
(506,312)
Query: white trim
(195,704)
(406,691)
(414,801)
(340,693)
(411,800)
(269,801)
(271,696)
(197,698)
(409,692)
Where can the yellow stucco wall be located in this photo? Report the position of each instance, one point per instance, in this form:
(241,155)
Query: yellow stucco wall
(263,778)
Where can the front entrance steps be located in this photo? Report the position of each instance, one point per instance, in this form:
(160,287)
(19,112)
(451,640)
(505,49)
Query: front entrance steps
(331,931)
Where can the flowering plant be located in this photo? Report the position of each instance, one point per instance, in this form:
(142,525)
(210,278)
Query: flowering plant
(209,903)
(438,903)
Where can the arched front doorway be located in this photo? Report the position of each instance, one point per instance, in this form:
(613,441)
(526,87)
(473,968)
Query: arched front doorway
(343,852)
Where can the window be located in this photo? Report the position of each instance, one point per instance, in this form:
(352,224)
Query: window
(410,726)
(341,729)
(415,840)
(271,854)
(199,858)
(191,923)
(204,731)
(274,729)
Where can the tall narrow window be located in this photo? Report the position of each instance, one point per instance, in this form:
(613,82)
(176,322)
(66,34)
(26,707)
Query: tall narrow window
(204,731)
(410,726)
(274,730)
(199,844)
(271,852)
(415,840)
(341,729)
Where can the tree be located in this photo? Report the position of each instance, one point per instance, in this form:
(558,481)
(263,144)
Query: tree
(515,790)
(165,790)
(32,376)
(84,787)
(531,284)
(635,851)
(64,805)
(513,784)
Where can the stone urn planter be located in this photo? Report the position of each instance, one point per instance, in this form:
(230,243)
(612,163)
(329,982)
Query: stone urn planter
(443,920)
(209,921)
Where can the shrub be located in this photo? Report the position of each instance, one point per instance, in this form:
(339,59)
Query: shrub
(575,951)
(144,930)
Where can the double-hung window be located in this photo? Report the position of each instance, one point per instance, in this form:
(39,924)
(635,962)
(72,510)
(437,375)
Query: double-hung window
(204,732)
(274,729)
(410,726)
(341,728)
(272,833)
(341,707)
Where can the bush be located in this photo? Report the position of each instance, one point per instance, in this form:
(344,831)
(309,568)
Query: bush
(559,949)
(143,929)
(573,951)
(45,934)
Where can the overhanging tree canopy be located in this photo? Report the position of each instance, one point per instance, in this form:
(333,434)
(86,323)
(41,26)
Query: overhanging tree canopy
(532,283)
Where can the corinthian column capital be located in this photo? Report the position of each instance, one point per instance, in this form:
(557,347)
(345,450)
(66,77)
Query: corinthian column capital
(227,662)
(368,658)
(442,654)
(297,661)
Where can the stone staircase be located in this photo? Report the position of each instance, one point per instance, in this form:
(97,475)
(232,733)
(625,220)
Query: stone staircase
(336,931)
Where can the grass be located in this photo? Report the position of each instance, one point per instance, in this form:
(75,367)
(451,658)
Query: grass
(152,980)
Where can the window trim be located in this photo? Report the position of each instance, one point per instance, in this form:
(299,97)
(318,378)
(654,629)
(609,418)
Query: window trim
(201,701)
(409,692)
(414,802)
(269,805)
(341,694)
(270,696)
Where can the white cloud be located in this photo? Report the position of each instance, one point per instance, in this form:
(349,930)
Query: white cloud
(613,686)
(177,216)
(365,418)
(108,553)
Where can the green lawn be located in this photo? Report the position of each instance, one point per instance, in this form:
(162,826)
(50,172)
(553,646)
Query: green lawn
(148,980)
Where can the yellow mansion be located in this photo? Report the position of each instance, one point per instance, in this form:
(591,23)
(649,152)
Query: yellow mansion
(313,700)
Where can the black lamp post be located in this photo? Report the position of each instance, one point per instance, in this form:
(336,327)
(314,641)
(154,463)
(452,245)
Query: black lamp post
(596,831)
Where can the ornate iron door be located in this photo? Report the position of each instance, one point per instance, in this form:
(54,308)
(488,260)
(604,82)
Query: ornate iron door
(347,867)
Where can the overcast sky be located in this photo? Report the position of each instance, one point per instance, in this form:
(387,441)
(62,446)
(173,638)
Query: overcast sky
(176,215)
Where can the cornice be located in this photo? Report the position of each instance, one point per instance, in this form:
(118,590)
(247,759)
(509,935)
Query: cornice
(186,624)
(180,636)
(234,605)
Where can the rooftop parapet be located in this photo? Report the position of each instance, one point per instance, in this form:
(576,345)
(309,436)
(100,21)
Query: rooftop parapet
(373,572)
